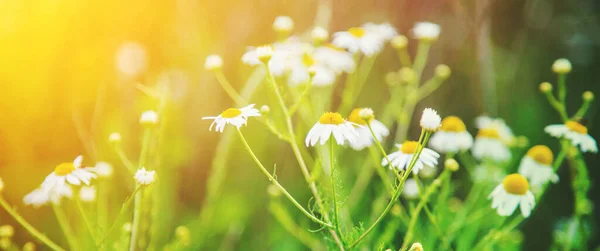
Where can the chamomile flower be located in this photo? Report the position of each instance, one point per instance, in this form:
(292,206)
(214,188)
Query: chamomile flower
(430,120)
(504,132)
(452,136)
(144,177)
(335,58)
(426,31)
(536,166)
(401,159)
(213,62)
(68,173)
(283,24)
(103,169)
(233,116)
(410,190)
(488,144)
(319,34)
(302,66)
(40,196)
(87,193)
(359,39)
(384,30)
(576,133)
(149,118)
(365,137)
(331,123)
(512,192)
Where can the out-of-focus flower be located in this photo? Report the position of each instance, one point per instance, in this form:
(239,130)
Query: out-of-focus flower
(576,133)
(149,118)
(430,120)
(114,137)
(416,247)
(561,66)
(40,196)
(183,235)
(411,189)
(29,246)
(302,66)
(452,136)
(451,164)
(103,169)
(319,34)
(365,137)
(428,172)
(283,24)
(401,159)
(384,30)
(331,123)
(536,166)
(442,71)
(68,173)
(87,193)
(489,145)
(213,62)
(513,191)
(7,231)
(588,96)
(399,42)
(545,87)
(427,32)
(233,116)
(335,58)
(358,39)
(498,124)
(131,59)
(144,177)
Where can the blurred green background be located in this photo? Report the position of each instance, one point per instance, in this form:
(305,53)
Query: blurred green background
(58,59)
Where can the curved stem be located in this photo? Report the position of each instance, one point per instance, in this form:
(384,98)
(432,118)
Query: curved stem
(145,147)
(32,230)
(274,181)
(86,220)
(239,100)
(64,226)
(302,97)
(119,216)
(137,218)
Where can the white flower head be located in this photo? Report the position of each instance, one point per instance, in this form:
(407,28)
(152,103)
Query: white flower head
(512,192)
(331,123)
(68,173)
(144,177)
(103,169)
(384,30)
(401,159)
(41,196)
(335,58)
(213,62)
(149,118)
(264,53)
(358,39)
(1,185)
(452,136)
(283,24)
(410,190)
(131,59)
(277,56)
(498,124)
(489,145)
(114,137)
(430,120)
(319,34)
(364,136)
(536,166)
(427,32)
(305,66)
(87,193)
(576,133)
(233,116)
(561,66)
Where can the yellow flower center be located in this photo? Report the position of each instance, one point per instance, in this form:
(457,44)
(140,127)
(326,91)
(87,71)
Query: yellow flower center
(409,147)
(231,113)
(331,46)
(331,118)
(488,133)
(515,184)
(64,169)
(357,31)
(541,154)
(307,60)
(355,118)
(453,124)
(576,127)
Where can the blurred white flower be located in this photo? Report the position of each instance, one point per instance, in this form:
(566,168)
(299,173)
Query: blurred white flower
(319,34)
(399,42)
(430,120)
(452,136)
(68,173)
(505,133)
(411,189)
(283,24)
(331,123)
(40,196)
(401,159)
(489,145)
(365,137)
(385,30)
(131,59)
(103,169)
(149,118)
(144,177)
(302,66)
(561,66)
(279,61)
(426,31)
(335,58)
(513,190)
(87,193)
(233,116)
(213,62)
(358,39)
(114,137)
(576,133)
(536,166)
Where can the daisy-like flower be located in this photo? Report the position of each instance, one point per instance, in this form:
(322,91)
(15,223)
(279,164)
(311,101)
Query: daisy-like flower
(513,190)
(536,166)
(283,24)
(331,123)
(410,190)
(40,196)
(144,177)
(87,193)
(149,118)
(576,133)
(561,66)
(426,31)
(358,39)
(319,34)
(131,59)
(498,124)
(277,56)
(103,169)
(365,137)
(68,173)
(213,62)
(401,158)
(430,120)
(233,116)
(488,144)
(335,58)
(385,30)
(305,65)
(452,136)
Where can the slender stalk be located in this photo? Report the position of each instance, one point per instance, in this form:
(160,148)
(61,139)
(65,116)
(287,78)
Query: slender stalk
(381,172)
(421,59)
(583,109)
(239,100)
(145,147)
(31,229)
(63,222)
(276,183)
(558,106)
(120,215)
(86,220)
(286,220)
(302,97)
(137,218)
(388,184)
(562,88)
(430,214)
(404,57)
(336,215)
(123,157)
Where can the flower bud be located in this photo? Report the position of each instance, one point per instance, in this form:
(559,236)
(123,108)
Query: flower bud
(29,246)
(407,75)
(561,66)
(430,120)
(114,137)
(319,34)
(265,110)
(273,191)
(416,247)
(149,118)
(312,71)
(545,87)
(442,71)
(213,62)
(283,24)
(588,96)
(396,210)
(451,164)
(127,227)
(399,42)
(366,114)
(264,53)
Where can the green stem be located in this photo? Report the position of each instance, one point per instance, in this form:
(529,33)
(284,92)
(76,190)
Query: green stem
(145,147)
(562,88)
(558,106)
(387,183)
(137,218)
(404,57)
(302,97)
(336,215)
(123,157)
(239,100)
(86,220)
(421,59)
(286,220)
(583,109)
(64,226)
(32,230)
(119,216)
(430,86)
(430,214)
(281,188)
